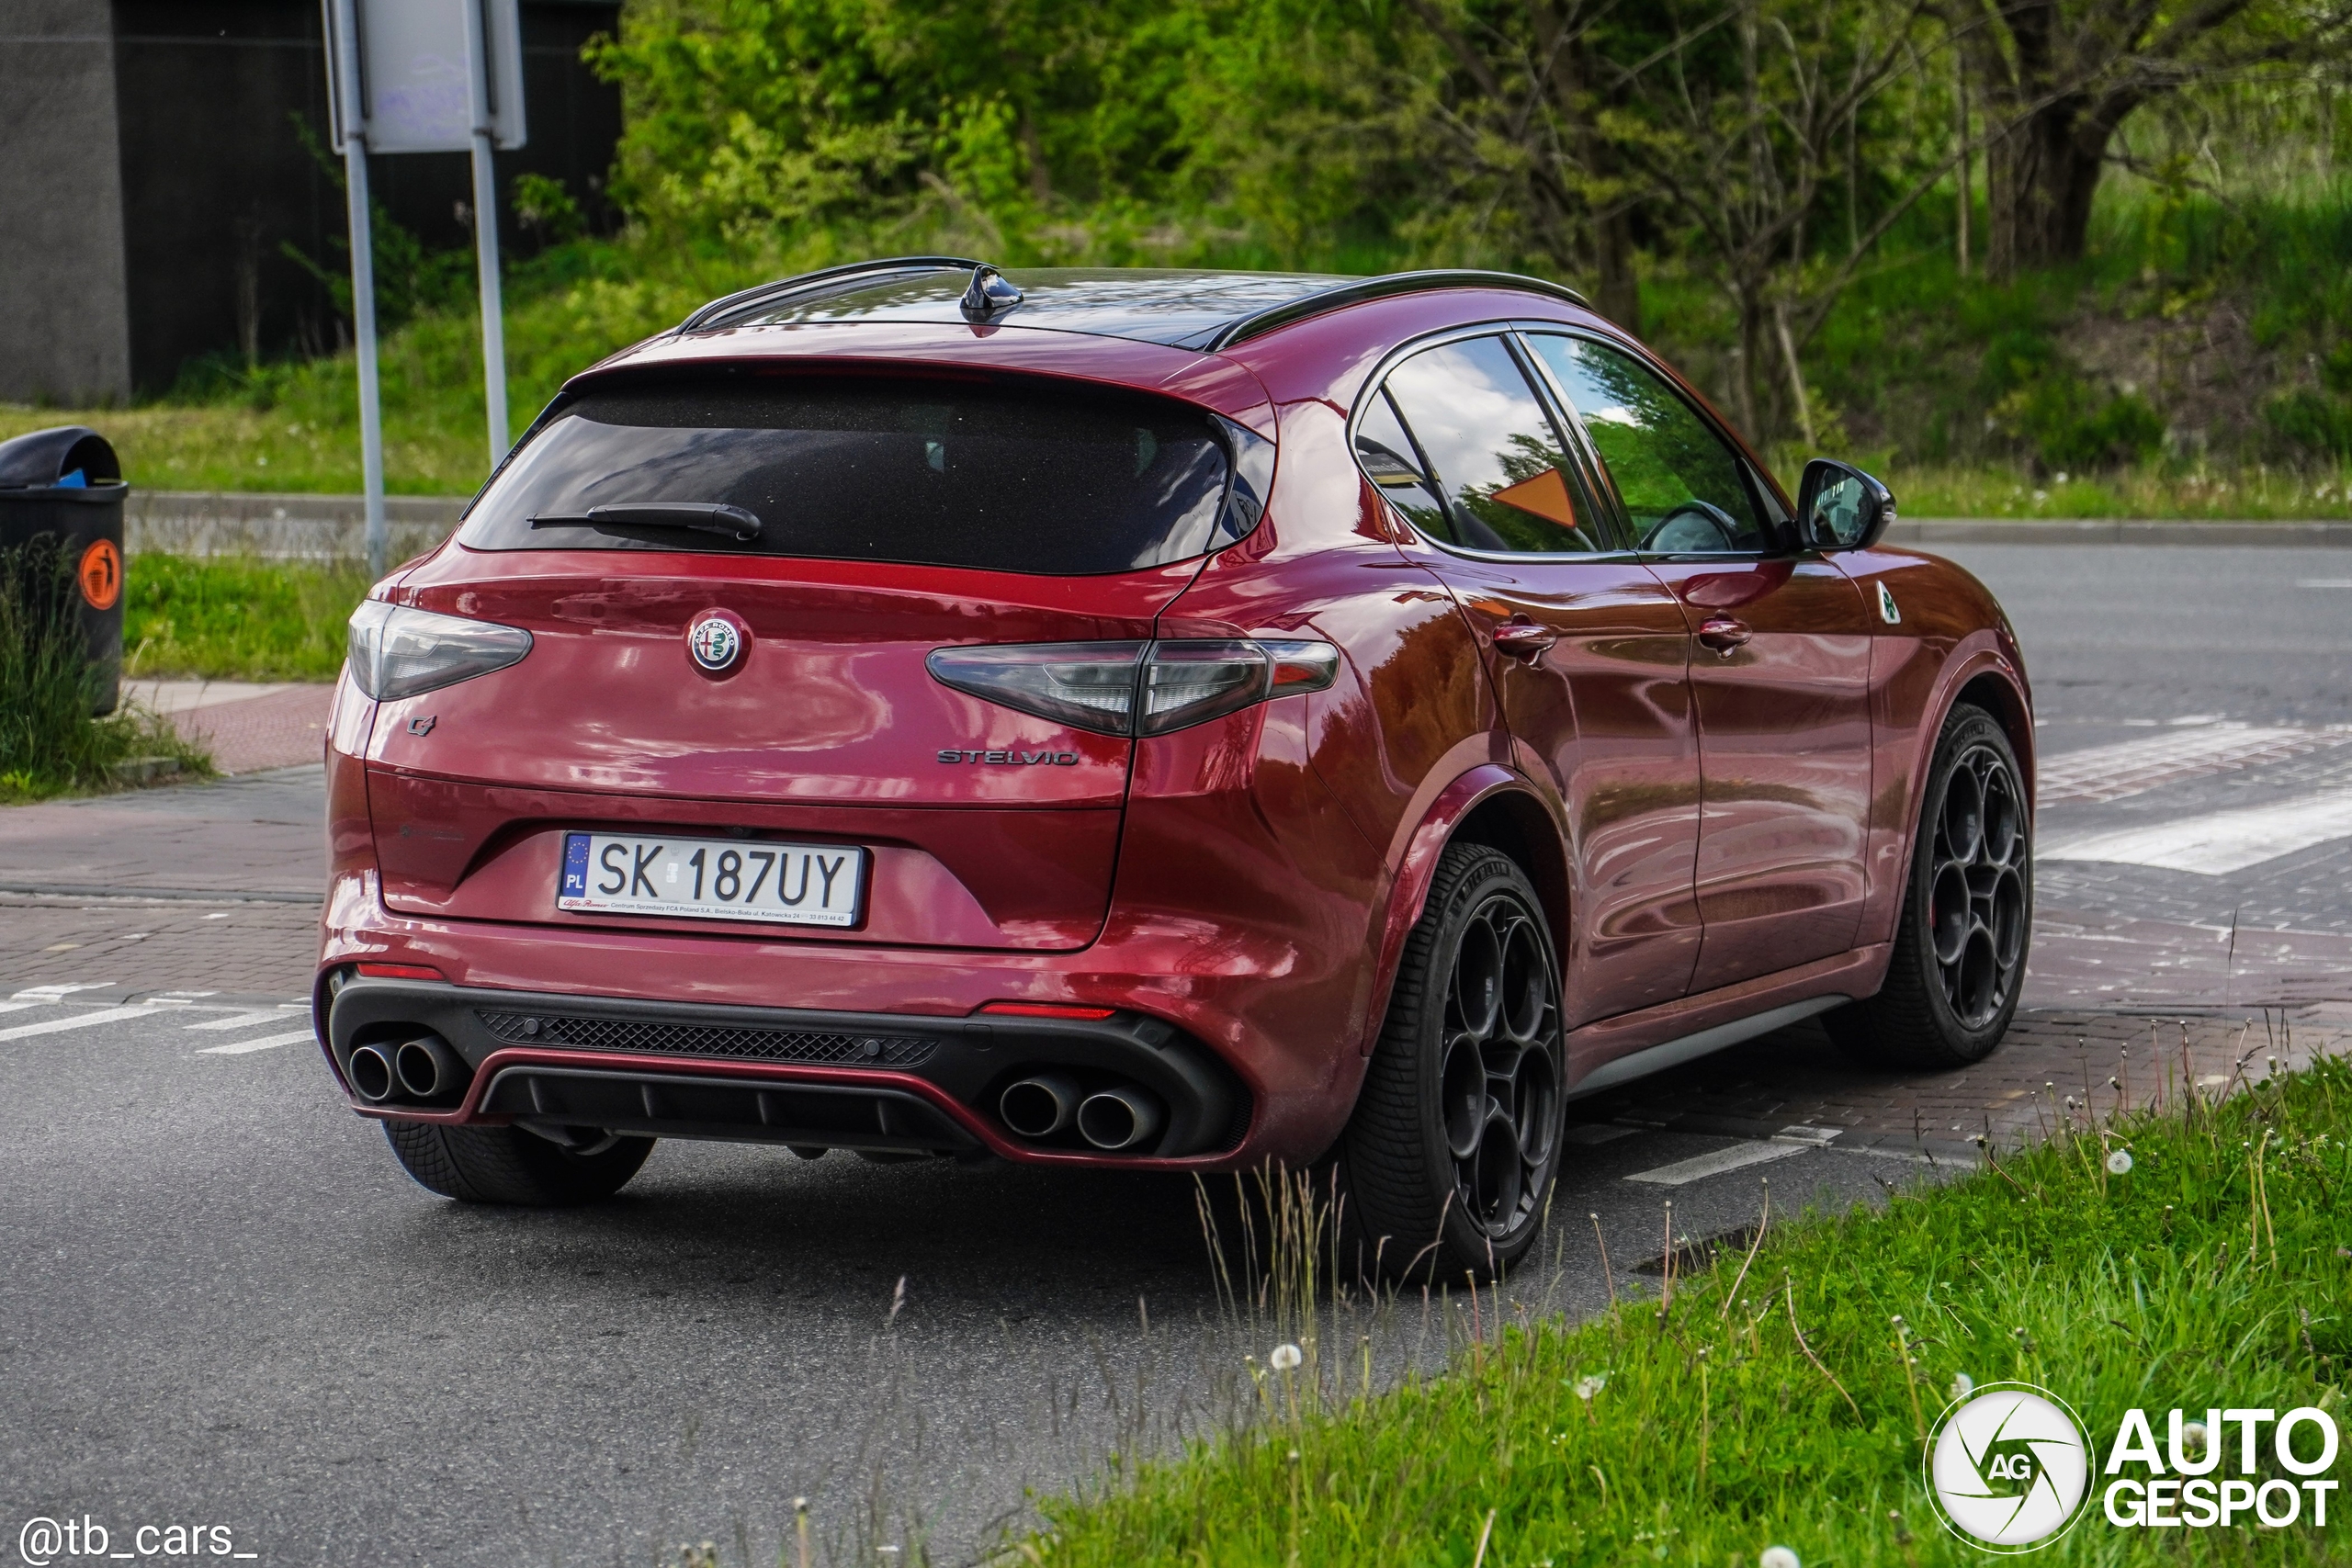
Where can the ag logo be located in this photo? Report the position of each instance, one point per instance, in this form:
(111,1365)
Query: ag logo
(716,643)
(2008,1467)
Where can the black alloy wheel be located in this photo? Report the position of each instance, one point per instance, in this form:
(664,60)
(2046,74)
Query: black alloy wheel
(1960,952)
(1455,1140)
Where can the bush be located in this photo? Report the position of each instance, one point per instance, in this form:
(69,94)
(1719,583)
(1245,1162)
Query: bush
(48,742)
(2309,422)
(228,619)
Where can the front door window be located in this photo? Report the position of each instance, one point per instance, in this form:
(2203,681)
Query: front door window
(1685,491)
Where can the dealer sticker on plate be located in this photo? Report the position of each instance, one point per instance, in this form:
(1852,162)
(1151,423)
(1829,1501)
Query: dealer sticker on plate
(712,879)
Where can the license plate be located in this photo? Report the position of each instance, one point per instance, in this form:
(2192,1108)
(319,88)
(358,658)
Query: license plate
(712,879)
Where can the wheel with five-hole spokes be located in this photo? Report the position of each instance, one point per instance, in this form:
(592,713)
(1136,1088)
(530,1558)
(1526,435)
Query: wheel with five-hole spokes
(1959,961)
(1450,1155)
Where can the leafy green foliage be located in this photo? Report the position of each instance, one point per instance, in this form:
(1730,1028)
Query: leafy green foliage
(226,619)
(1699,1429)
(49,743)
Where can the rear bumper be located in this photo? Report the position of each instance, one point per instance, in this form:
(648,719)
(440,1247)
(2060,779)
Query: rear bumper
(884,1082)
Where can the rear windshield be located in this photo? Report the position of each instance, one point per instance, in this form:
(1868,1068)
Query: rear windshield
(1005,478)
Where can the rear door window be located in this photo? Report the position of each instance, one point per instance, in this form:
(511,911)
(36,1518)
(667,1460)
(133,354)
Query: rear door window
(1002,477)
(1495,458)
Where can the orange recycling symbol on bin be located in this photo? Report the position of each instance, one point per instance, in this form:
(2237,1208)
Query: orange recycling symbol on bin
(101,575)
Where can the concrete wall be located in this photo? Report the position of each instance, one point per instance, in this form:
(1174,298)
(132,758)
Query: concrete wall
(65,318)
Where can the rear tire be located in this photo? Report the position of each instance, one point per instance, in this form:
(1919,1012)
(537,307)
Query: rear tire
(1448,1162)
(1959,962)
(507,1165)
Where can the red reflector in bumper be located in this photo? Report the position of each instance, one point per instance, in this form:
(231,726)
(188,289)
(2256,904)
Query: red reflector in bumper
(399,972)
(1046,1009)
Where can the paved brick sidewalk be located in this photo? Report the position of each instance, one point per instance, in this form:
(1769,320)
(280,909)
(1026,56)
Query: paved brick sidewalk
(276,730)
(2056,1063)
(262,949)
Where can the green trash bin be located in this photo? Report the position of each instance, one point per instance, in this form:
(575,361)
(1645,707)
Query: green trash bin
(66,483)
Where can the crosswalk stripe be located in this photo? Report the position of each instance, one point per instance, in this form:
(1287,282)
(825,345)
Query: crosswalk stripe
(79,1021)
(20,1006)
(2222,842)
(1739,1156)
(38,994)
(268,1043)
(242,1020)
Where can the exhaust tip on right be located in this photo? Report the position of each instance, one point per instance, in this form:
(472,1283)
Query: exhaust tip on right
(372,1075)
(1118,1118)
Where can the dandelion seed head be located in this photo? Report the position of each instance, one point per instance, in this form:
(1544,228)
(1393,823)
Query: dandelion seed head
(1778,1557)
(1962,1385)
(1284,1359)
(2119,1162)
(1592,1385)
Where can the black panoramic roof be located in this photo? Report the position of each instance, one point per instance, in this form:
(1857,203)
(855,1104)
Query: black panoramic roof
(1203,310)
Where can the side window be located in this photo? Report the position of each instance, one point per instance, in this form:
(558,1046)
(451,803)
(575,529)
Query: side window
(1388,456)
(1492,454)
(1684,490)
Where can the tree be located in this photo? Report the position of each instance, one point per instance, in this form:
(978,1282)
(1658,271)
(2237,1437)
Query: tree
(2059,77)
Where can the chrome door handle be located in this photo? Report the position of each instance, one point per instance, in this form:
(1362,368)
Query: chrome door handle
(1722,634)
(1522,639)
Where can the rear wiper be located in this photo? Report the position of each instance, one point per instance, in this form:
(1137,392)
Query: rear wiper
(703,516)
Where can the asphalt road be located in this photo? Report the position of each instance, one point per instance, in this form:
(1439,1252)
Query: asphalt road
(224,1303)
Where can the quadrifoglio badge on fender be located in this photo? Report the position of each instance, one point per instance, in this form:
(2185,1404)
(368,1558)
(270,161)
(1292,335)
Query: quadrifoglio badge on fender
(1013,759)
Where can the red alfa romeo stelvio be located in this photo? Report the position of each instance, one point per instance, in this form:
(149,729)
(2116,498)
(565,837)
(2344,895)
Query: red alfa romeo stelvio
(1169,720)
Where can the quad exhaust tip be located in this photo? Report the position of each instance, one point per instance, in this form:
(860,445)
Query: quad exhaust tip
(424,1068)
(1118,1118)
(372,1075)
(1041,1105)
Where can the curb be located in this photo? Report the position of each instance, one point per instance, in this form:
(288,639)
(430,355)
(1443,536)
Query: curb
(2112,531)
(333,527)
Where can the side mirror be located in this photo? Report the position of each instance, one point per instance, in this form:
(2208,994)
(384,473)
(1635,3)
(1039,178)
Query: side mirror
(1841,508)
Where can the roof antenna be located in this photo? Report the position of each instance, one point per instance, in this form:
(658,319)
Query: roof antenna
(991,291)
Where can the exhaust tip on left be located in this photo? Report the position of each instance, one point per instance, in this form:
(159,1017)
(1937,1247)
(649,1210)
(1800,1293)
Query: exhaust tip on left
(372,1075)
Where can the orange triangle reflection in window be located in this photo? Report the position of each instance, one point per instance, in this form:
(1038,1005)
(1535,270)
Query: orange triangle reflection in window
(1545,495)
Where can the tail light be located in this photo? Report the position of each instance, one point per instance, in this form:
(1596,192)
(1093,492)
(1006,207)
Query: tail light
(1136,688)
(397,651)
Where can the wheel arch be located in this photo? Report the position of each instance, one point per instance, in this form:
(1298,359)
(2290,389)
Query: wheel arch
(1992,689)
(1489,805)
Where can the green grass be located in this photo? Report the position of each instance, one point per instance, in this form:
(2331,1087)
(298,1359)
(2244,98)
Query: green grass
(2213,1273)
(227,619)
(49,743)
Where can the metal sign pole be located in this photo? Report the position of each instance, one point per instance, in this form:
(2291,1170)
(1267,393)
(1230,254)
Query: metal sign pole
(493,320)
(352,126)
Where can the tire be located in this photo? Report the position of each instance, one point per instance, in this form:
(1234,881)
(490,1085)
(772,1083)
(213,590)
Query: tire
(1447,1164)
(507,1165)
(1960,952)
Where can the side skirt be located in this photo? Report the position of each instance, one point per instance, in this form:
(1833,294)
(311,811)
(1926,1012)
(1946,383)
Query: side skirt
(1705,1042)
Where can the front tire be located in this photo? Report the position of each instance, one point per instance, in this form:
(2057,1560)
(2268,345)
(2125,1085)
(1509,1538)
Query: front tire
(507,1165)
(1959,963)
(1449,1160)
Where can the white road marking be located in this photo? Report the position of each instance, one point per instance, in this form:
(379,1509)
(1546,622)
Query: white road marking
(241,1020)
(2324,582)
(2134,767)
(1739,1156)
(20,1006)
(268,1043)
(2223,843)
(80,1021)
(51,993)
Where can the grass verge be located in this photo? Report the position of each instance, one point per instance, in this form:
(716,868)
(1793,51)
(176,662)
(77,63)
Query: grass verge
(49,743)
(1699,1425)
(224,618)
